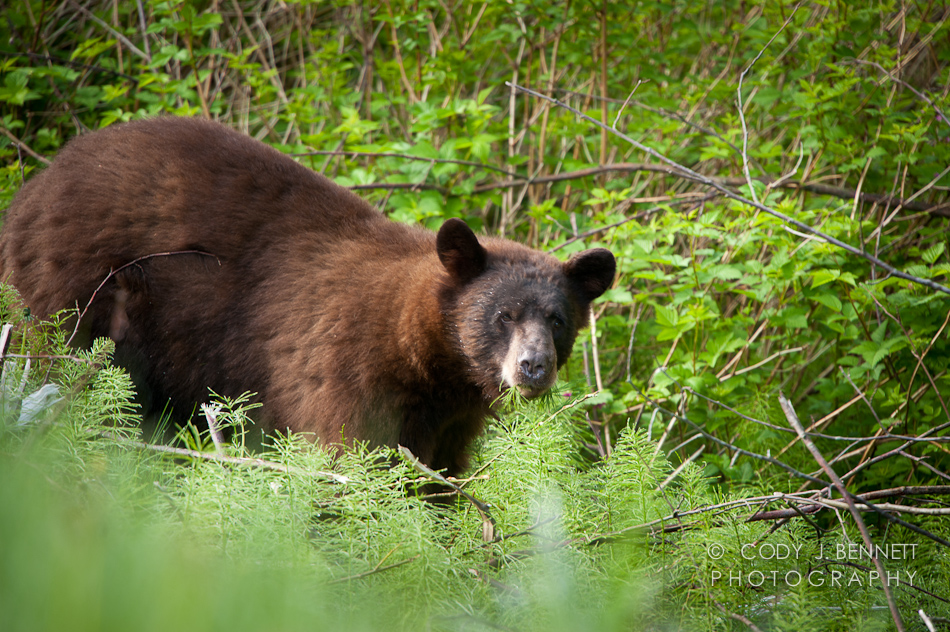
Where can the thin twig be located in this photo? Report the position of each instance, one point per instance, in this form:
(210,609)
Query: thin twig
(374,570)
(21,145)
(921,511)
(483,508)
(917,92)
(502,538)
(119,36)
(632,92)
(123,267)
(574,175)
(745,130)
(849,498)
(887,200)
(780,514)
(392,186)
(738,617)
(811,499)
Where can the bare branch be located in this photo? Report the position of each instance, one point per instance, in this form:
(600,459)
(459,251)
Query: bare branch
(745,130)
(21,145)
(849,498)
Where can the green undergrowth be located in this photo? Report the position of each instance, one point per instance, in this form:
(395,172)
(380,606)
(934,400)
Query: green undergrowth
(102,531)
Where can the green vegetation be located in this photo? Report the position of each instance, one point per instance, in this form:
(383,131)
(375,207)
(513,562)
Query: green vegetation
(720,307)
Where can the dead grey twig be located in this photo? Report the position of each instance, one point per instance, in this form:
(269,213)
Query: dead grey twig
(745,130)
(484,510)
(792,417)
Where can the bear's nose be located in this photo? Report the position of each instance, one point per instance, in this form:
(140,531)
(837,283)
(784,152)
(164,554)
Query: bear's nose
(535,366)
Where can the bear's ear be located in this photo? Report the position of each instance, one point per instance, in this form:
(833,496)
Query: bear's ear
(591,272)
(459,250)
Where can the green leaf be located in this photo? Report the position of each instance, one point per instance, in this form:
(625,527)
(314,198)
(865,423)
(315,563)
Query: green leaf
(727,272)
(821,277)
(830,301)
(619,295)
(878,334)
(481,145)
(666,316)
(848,278)
(796,318)
(932,254)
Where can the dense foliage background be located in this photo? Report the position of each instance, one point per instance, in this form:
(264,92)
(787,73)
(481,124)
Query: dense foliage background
(627,509)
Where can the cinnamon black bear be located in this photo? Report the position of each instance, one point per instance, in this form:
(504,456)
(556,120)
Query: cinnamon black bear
(254,273)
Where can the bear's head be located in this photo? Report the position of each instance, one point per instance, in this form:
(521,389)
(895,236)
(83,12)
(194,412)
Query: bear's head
(516,311)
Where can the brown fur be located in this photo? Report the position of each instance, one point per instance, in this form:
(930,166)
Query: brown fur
(349,326)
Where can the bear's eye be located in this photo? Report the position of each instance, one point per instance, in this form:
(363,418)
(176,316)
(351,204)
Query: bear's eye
(505,317)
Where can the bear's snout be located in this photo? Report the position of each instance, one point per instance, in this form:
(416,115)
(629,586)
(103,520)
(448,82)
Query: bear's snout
(531,362)
(535,365)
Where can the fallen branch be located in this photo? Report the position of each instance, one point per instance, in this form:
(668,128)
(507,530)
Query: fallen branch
(783,514)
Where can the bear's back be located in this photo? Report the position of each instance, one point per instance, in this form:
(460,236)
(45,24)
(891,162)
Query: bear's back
(163,185)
